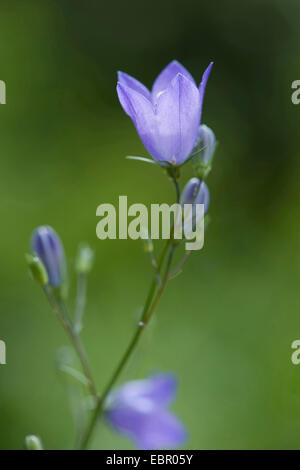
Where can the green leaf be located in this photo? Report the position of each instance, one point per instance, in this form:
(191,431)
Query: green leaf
(141,159)
(73,373)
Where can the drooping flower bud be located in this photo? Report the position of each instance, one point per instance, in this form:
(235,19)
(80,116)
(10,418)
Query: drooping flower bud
(37,269)
(85,259)
(33,443)
(195,192)
(47,245)
(207,142)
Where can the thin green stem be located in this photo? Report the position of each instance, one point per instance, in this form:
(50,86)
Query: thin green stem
(98,410)
(154,294)
(80,302)
(177,189)
(155,267)
(180,264)
(147,316)
(154,282)
(149,308)
(60,310)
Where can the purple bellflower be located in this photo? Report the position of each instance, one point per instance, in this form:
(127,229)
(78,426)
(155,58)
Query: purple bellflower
(167,119)
(139,410)
(47,245)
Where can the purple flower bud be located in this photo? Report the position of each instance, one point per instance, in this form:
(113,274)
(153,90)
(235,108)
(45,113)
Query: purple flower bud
(206,142)
(196,192)
(139,410)
(47,245)
(167,119)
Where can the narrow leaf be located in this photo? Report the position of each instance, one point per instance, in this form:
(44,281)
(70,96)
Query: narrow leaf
(141,159)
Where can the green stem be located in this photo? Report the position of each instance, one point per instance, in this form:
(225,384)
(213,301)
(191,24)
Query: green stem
(149,308)
(177,189)
(80,302)
(147,315)
(79,348)
(60,310)
(155,267)
(180,264)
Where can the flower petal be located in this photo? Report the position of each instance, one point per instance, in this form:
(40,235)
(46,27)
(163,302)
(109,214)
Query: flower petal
(157,429)
(162,430)
(203,196)
(178,119)
(141,111)
(161,389)
(131,82)
(166,76)
(157,390)
(203,85)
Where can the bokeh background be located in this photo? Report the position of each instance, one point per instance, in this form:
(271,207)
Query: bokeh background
(225,326)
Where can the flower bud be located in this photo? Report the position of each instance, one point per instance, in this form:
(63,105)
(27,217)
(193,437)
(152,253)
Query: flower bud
(85,259)
(195,192)
(206,142)
(37,269)
(47,245)
(147,242)
(33,443)
(148,245)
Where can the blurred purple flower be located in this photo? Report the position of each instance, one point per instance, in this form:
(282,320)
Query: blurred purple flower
(139,409)
(47,245)
(167,119)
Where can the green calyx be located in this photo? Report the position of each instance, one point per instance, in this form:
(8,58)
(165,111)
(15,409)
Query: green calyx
(37,269)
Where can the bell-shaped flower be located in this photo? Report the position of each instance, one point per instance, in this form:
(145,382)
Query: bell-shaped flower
(139,410)
(167,119)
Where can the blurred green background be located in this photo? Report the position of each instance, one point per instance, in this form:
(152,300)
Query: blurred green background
(225,326)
